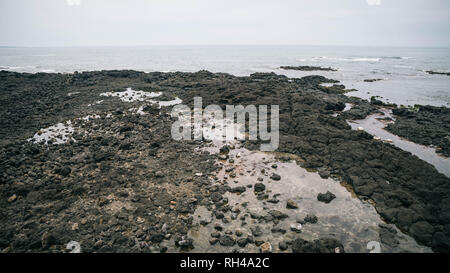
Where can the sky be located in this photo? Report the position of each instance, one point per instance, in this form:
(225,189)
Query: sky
(225,22)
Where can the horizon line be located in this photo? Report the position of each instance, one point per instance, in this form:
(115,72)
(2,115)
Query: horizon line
(212,45)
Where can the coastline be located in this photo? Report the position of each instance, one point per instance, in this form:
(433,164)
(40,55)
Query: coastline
(122,177)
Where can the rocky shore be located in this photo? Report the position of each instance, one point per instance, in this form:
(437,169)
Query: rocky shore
(427,125)
(81,162)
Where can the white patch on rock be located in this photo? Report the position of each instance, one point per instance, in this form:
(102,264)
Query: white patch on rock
(131,95)
(169,103)
(88,117)
(59,134)
(97,102)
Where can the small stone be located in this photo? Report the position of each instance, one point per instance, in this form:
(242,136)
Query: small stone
(159,174)
(278,214)
(75,226)
(259,187)
(242,242)
(283,245)
(278,230)
(290,204)
(220,215)
(157,238)
(274,166)
(296,227)
(324,174)
(98,244)
(259,242)
(266,247)
(311,219)
(256,231)
(326,197)
(229,169)
(239,189)
(65,171)
(225,149)
(275,177)
(227,240)
(213,241)
(215,234)
(185,242)
(12,198)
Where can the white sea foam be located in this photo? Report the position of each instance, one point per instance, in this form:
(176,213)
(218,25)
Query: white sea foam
(347,59)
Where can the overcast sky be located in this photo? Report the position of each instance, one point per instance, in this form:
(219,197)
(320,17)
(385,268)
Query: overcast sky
(186,22)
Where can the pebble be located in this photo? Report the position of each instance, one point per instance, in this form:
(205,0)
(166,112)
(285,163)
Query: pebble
(227,240)
(296,227)
(242,242)
(326,197)
(266,247)
(290,204)
(311,219)
(275,177)
(75,226)
(259,187)
(283,245)
(12,198)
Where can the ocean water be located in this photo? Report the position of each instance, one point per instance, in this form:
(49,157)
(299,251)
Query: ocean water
(402,70)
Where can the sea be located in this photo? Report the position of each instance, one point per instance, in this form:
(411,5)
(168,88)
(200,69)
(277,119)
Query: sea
(401,70)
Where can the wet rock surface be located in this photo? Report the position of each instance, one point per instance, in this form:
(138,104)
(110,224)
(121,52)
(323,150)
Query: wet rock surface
(121,184)
(326,197)
(426,125)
